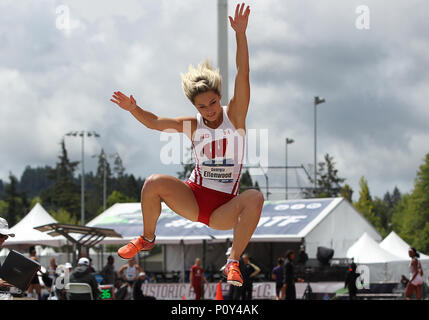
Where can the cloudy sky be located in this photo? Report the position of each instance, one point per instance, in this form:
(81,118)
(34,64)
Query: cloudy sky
(55,79)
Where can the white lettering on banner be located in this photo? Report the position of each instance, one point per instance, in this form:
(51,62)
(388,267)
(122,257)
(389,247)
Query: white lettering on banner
(262,220)
(275,220)
(178,291)
(281,221)
(292,219)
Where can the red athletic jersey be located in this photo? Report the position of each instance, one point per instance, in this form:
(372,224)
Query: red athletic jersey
(197,273)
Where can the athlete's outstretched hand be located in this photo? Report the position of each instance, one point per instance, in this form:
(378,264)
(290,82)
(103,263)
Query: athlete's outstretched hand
(123,101)
(239,23)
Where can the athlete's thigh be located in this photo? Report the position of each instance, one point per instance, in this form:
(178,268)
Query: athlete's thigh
(225,217)
(177,195)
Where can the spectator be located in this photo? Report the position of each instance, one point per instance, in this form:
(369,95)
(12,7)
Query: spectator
(416,276)
(91,268)
(35,283)
(138,288)
(350,282)
(289,277)
(277,276)
(109,274)
(302,256)
(130,271)
(82,274)
(52,269)
(69,267)
(4,235)
(197,273)
(249,271)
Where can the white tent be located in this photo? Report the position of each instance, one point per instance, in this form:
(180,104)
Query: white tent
(394,244)
(25,234)
(367,250)
(382,266)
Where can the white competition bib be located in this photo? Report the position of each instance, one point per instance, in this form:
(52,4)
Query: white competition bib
(219,171)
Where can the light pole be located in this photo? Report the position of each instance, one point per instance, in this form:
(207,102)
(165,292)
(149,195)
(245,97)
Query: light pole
(317,100)
(288,141)
(104,161)
(266,180)
(82,180)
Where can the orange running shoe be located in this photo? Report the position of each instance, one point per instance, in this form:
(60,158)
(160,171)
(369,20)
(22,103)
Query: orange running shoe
(232,273)
(134,246)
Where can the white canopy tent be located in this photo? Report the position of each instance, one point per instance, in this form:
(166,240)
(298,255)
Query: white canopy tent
(25,234)
(383,266)
(394,244)
(366,250)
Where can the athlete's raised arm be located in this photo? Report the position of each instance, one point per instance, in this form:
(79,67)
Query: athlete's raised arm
(150,120)
(237,108)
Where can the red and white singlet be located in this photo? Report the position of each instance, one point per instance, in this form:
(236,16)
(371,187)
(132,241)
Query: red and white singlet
(218,155)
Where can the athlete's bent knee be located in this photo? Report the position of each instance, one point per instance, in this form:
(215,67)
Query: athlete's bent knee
(151,183)
(256,198)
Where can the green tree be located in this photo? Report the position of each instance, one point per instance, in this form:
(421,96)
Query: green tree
(3,209)
(65,191)
(347,193)
(411,214)
(118,166)
(329,184)
(118,197)
(1,189)
(246,182)
(63,216)
(34,180)
(365,205)
(17,204)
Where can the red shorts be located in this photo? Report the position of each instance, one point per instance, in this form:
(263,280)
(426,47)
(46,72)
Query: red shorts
(208,200)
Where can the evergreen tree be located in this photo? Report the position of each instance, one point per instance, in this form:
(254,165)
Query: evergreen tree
(411,214)
(63,216)
(103,179)
(246,182)
(365,205)
(347,193)
(329,184)
(396,196)
(118,166)
(34,180)
(1,189)
(118,197)
(3,209)
(16,208)
(65,191)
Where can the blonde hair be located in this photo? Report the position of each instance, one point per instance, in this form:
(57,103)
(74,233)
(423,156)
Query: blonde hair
(201,79)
